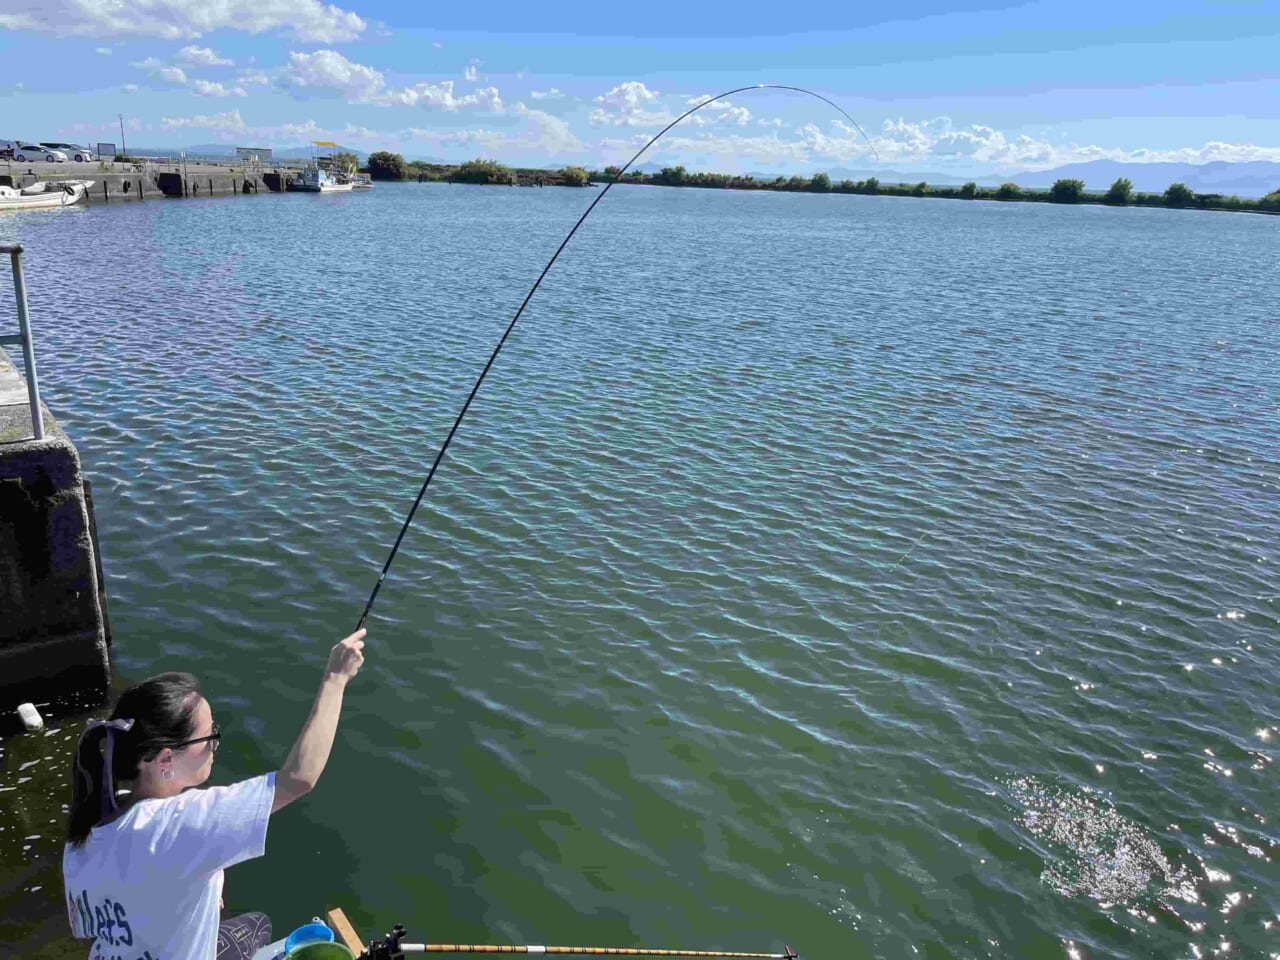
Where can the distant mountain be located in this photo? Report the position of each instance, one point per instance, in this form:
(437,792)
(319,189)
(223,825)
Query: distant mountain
(1253,179)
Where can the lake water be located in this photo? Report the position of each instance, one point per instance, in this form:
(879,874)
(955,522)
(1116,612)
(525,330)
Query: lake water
(887,577)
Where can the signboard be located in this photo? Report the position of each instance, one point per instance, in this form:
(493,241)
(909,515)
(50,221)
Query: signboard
(106,150)
(253,153)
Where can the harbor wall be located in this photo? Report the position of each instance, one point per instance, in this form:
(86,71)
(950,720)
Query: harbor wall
(135,186)
(54,632)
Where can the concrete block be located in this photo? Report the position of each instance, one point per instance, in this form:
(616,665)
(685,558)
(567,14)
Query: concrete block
(53,637)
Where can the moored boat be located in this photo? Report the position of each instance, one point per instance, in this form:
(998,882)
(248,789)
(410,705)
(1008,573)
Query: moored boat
(44,193)
(316,179)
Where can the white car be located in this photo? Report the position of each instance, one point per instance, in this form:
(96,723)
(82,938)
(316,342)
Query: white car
(26,152)
(73,150)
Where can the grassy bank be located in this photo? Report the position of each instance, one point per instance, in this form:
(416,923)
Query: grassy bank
(390,166)
(1121,193)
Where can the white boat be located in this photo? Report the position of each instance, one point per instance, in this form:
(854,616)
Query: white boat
(44,193)
(317,179)
(322,174)
(361,181)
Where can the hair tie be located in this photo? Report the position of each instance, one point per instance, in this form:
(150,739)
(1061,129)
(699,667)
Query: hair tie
(108,786)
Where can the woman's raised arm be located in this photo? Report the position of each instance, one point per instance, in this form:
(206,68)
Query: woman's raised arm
(306,761)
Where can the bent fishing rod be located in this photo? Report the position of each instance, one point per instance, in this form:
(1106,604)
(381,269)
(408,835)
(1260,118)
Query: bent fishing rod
(537,283)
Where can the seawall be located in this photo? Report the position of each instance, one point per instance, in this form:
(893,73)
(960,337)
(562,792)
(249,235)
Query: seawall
(131,184)
(54,632)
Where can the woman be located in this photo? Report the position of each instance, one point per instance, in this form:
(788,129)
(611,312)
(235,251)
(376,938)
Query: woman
(144,859)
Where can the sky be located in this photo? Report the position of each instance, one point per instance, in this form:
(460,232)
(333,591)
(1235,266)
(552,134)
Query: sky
(966,88)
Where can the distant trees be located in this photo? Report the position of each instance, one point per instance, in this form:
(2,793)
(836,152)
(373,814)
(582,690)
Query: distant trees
(1179,195)
(344,160)
(482,171)
(920,189)
(871,185)
(969,190)
(671,176)
(820,183)
(1008,191)
(1067,191)
(1271,201)
(387,166)
(1120,192)
(575,176)
(612,171)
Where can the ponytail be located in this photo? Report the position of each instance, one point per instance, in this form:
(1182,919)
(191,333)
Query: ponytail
(148,717)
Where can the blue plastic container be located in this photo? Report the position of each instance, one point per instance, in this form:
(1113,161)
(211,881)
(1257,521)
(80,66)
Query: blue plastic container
(314,932)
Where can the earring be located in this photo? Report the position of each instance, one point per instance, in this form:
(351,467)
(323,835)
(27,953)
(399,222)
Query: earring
(166,774)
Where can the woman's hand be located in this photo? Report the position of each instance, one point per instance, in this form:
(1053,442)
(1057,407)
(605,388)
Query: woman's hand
(346,657)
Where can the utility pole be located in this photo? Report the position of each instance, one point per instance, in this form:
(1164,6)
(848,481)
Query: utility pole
(123,149)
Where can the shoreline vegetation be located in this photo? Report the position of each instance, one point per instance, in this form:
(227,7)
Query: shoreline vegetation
(391,166)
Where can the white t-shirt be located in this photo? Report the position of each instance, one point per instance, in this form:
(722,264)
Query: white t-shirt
(146,886)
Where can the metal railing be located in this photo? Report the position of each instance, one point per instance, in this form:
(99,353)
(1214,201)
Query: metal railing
(23,336)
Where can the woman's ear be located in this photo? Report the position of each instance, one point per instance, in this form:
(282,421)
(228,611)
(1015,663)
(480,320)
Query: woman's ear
(162,761)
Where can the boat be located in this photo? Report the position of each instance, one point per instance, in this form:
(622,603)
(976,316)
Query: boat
(361,181)
(44,193)
(318,179)
(322,174)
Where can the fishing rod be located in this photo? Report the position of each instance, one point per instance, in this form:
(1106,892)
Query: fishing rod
(537,283)
(390,947)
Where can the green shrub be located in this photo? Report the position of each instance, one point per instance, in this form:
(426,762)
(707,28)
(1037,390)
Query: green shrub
(574,177)
(482,171)
(1067,191)
(387,166)
(1179,195)
(1120,192)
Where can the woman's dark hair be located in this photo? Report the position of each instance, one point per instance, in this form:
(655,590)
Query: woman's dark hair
(163,713)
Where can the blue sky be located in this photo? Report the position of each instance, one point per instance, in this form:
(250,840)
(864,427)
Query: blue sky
(966,88)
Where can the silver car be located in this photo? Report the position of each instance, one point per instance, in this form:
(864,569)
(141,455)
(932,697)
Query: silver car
(27,152)
(73,150)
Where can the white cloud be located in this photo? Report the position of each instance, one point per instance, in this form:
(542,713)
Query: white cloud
(721,111)
(194,56)
(441,96)
(102,51)
(327,72)
(255,79)
(308,20)
(552,94)
(630,104)
(437,45)
(205,88)
(471,74)
(229,122)
(130,88)
(537,132)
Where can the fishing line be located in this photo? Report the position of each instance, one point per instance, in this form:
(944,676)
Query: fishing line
(537,283)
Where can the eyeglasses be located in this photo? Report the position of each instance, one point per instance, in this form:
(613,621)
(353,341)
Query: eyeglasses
(215,737)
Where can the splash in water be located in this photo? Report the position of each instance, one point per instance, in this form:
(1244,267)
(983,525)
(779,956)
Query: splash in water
(1106,857)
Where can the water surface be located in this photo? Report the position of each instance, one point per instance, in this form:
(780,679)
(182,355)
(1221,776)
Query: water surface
(885,577)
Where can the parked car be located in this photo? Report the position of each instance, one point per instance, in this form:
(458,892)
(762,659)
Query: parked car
(26,152)
(73,150)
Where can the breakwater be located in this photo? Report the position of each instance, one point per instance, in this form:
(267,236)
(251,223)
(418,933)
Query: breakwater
(157,183)
(54,633)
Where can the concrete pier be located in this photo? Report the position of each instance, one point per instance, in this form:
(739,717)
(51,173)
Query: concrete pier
(131,183)
(54,636)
